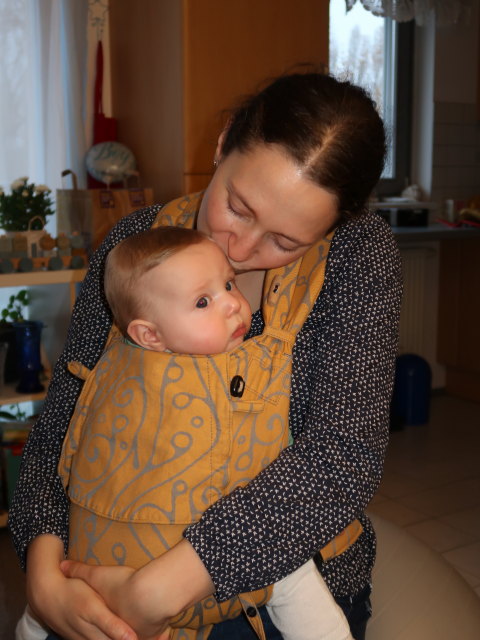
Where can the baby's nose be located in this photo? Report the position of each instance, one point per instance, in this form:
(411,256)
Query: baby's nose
(232,304)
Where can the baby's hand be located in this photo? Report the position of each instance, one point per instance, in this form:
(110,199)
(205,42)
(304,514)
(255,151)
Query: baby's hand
(123,595)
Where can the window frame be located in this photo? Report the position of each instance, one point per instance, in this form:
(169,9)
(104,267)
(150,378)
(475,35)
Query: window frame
(403,112)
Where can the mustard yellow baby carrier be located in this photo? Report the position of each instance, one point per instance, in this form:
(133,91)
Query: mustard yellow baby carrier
(156,438)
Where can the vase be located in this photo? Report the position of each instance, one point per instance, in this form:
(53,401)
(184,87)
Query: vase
(3,358)
(7,334)
(29,364)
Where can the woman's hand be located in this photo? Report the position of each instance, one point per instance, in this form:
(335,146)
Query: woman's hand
(120,588)
(70,607)
(149,597)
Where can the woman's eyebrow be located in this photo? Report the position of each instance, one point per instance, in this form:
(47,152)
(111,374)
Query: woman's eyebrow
(233,192)
(300,243)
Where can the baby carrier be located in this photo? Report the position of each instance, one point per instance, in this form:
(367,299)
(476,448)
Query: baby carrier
(156,438)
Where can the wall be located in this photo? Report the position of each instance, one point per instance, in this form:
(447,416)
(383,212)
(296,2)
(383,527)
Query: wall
(176,67)
(446,151)
(147,89)
(446,137)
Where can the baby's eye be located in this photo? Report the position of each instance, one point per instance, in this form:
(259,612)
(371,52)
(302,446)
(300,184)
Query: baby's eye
(229,285)
(202,303)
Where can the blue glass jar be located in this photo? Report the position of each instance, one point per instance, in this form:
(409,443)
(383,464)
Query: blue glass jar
(29,364)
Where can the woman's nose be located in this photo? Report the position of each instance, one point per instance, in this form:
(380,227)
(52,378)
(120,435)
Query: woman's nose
(241,246)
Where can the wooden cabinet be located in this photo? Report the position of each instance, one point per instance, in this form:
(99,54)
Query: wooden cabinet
(459,313)
(177,65)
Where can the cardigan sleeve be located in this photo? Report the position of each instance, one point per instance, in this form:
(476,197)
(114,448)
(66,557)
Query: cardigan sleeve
(40,504)
(341,388)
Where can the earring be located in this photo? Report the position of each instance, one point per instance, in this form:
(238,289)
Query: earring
(215,164)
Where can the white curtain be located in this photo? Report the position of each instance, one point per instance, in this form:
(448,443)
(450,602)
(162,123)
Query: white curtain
(447,12)
(43,49)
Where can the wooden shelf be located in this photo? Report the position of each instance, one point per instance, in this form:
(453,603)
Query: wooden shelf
(8,395)
(35,278)
(32,278)
(402,204)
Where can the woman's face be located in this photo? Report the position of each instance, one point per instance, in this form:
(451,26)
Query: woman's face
(263,211)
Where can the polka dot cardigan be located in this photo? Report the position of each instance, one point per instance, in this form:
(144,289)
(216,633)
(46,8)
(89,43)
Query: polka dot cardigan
(341,386)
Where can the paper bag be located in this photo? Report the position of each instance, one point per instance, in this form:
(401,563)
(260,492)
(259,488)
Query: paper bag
(93,212)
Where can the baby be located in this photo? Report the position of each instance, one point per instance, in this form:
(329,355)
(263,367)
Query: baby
(173,290)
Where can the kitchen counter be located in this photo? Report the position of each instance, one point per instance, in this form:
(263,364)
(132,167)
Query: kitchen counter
(434,232)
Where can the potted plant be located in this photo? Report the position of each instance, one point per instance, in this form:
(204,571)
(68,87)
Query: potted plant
(25,202)
(24,212)
(8,315)
(13,312)
(26,344)
(15,425)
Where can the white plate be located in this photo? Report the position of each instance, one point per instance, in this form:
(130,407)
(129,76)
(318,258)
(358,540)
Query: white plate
(110,162)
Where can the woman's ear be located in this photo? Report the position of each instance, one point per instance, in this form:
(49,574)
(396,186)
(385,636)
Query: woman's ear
(220,141)
(146,335)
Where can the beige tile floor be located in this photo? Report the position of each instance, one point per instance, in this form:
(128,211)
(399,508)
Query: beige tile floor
(431,484)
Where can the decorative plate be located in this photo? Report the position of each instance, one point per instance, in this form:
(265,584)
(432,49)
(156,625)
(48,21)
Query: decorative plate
(110,162)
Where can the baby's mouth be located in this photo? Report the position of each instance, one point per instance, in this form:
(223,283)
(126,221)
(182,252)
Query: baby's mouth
(239,331)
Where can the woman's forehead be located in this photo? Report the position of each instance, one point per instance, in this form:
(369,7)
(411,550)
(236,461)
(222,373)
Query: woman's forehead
(278,192)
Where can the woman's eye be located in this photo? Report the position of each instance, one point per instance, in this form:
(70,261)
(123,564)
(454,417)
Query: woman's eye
(235,212)
(282,248)
(202,303)
(229,285)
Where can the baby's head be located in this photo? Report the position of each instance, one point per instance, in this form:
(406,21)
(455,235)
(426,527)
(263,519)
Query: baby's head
(173,289)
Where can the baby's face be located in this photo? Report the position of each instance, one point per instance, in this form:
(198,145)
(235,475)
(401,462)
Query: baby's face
(194,302)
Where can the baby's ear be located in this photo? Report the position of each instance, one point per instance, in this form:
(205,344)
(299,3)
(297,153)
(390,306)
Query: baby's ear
(146,335)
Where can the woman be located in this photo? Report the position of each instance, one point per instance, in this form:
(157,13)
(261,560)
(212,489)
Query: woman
(296,160)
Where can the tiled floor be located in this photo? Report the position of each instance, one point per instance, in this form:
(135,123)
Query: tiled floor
(431,485)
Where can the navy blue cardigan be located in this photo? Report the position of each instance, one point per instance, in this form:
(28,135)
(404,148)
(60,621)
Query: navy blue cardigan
(341,387)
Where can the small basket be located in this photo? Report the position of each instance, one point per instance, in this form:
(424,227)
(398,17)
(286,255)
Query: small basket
(32,236)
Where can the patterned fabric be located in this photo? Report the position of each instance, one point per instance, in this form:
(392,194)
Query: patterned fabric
(341,385)
(158,437)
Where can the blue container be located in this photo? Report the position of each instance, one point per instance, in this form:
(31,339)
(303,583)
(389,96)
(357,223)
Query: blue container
(27,336)
(412,390)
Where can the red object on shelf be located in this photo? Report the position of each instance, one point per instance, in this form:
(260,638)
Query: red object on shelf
(471,223)
(459,224)
(104,128)
(447,223)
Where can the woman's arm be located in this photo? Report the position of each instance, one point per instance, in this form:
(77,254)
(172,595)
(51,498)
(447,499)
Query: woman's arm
(341,388)
(40,504)
(340,407)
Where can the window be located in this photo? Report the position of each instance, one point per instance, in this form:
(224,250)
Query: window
(43,53)
(376,53)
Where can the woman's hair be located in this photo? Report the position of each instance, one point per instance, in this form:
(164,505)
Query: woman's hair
(133,257)
(329,127)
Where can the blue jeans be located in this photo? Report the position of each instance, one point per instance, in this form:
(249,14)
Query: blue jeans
(357,610)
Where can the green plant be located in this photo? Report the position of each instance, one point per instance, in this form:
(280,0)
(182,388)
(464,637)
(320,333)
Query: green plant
(25,201)
(15,413)
(17,302)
